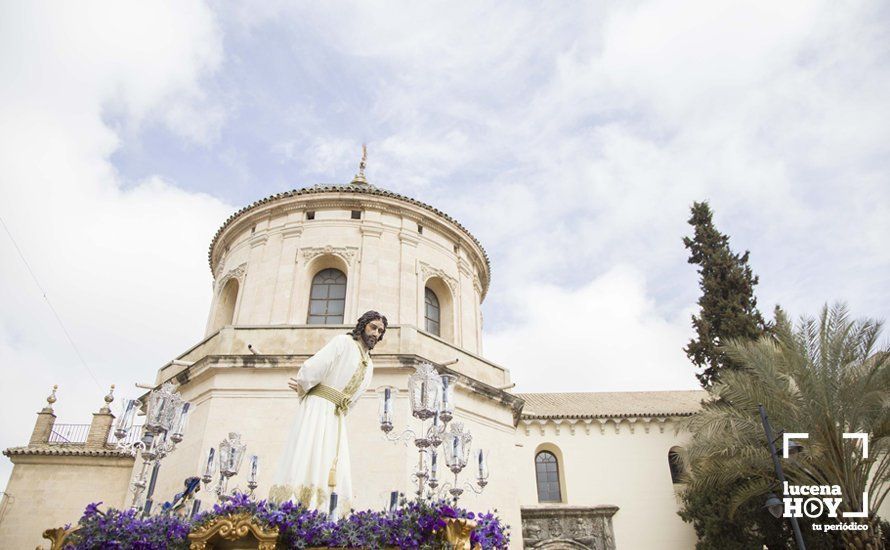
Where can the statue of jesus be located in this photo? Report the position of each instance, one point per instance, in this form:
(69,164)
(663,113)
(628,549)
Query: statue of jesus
(315,461)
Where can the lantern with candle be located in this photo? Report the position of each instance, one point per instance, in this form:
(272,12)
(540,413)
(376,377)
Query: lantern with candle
(431,396)
(227,461)
(166,419)
(424,391)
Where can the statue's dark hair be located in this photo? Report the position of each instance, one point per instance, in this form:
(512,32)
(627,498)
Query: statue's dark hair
(363,322)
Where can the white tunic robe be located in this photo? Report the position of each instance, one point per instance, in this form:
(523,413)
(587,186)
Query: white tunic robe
(311,445)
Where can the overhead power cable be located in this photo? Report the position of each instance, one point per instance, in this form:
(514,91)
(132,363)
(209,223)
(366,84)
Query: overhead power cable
(51,308)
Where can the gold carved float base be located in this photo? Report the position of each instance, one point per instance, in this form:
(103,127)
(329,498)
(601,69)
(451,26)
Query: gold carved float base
(229,531)
(242,532)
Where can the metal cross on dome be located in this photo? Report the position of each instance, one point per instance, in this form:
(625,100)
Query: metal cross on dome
(359,178)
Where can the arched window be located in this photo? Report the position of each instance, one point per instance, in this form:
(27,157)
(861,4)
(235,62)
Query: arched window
(225,305)
(675,463)
(432,312)
(327,298)
(547,476)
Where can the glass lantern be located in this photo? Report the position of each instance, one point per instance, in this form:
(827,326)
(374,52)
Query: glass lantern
(180,422)
(446,410)
(482,468)
(125,422)
(163,406)
(456,447)
(231,453)
(424,391)
(385,408)
(210,467)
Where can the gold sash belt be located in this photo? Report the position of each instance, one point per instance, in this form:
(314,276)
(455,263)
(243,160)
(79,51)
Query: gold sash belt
(338,398)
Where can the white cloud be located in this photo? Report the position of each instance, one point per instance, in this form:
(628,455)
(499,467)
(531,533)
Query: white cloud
(603,336)
(124,267)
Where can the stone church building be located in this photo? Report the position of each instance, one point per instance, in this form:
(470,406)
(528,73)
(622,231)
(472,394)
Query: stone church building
(568,470)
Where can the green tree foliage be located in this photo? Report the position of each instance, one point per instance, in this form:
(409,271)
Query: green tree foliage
(750,526)
(728,306)
(825,376)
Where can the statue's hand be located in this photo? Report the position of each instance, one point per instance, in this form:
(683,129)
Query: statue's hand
(294,385)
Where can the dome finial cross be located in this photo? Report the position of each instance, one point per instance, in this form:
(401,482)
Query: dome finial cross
(359,178)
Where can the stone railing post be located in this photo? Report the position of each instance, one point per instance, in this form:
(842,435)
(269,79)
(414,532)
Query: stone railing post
(46,418)
(100,427)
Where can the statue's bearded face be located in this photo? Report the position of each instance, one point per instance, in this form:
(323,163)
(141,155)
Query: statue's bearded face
(373,333)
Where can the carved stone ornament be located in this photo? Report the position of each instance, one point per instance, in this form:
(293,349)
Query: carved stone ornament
(568,527)
(428,271)
(234,527)
(477,284)
(237,273)
(346,253)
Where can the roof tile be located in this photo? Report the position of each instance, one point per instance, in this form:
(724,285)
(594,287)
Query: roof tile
(612,404)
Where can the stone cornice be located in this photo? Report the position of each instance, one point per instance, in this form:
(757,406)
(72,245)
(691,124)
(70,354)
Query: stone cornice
(259,239)
(292,230)
(614,422)
(69,449)
(371,229)
(411,239)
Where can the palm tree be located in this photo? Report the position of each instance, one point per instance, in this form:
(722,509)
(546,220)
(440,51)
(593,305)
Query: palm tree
(825,377)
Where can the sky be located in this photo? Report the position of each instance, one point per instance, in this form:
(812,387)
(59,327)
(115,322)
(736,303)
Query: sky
(571,140)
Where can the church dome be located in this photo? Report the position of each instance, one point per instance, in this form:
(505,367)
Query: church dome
(327,253)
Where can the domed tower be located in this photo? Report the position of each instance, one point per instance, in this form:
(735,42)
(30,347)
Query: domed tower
(292,271)
(323,255)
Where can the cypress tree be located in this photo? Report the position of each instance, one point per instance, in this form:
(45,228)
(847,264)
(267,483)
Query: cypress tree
(728,306)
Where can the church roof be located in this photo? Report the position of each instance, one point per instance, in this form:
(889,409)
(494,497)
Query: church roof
(72,449)
(366,189)
(612,404)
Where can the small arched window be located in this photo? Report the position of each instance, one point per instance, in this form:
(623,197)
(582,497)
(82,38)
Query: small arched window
(675,463)
(225,305)
(432,312)
(547,476)
(327,298)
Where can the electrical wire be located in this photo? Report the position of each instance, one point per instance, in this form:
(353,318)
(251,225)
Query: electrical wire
(51,308)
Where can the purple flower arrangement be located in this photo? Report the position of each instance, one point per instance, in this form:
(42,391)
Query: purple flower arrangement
(124,529)
(412,524)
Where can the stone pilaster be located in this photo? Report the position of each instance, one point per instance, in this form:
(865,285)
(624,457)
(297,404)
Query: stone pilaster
(100,427)
(370,267)
(286,273)
(408,284)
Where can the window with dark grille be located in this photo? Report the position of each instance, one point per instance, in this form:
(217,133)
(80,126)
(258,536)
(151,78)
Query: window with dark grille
(420,229)
(356,214)
(310,215)
(547,476)
(327,298)
(432,314)
(676,465)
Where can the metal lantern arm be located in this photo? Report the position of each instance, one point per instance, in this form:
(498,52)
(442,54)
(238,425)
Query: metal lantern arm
(405,437)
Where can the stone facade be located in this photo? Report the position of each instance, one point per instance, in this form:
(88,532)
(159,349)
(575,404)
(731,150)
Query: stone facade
(613,462)
(53,481)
